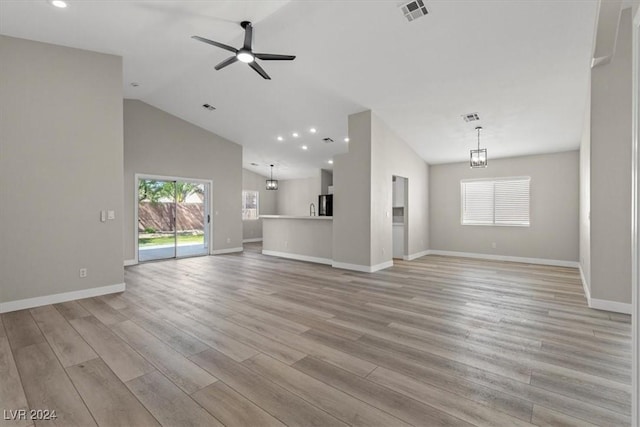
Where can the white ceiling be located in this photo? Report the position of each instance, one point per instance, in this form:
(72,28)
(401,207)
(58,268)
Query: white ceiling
(523,65)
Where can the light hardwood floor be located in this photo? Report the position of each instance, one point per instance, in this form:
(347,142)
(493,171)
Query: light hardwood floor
(249,340)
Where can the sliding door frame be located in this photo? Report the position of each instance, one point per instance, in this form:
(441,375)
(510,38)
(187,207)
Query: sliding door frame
(208,208)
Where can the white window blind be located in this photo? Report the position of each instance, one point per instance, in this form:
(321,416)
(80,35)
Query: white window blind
(249,205)
(503,201)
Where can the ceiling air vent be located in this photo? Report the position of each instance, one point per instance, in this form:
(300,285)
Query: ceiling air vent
(413,9)
(208,107)
(471,117)
(327,140)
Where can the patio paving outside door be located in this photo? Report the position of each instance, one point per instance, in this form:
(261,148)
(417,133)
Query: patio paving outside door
(173,218)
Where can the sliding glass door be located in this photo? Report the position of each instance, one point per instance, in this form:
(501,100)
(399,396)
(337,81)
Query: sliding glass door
(156,220)
(173,218)
(192,219)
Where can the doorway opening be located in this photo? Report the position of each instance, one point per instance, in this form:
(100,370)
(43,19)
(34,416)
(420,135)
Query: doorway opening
(173,219)
(399,191)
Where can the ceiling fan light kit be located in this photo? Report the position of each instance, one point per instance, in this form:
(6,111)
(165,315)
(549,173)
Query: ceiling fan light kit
(246,57)
(245,53)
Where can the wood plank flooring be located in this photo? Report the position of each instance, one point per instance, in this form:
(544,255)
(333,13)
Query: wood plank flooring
(249,340)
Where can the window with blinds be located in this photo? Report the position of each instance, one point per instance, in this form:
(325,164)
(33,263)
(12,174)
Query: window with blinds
(249,205)
(498,201)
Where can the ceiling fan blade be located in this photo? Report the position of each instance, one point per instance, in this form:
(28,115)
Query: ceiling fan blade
(274,57)
(226,62)
(248,36)
(259,70)
(220,45)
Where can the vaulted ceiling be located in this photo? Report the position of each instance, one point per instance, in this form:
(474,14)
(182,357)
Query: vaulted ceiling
(522,65)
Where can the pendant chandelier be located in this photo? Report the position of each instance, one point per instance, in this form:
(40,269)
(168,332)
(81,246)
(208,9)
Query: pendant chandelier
(272,184)
(479,156)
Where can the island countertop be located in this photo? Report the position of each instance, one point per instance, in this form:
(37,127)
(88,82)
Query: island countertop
(295,217)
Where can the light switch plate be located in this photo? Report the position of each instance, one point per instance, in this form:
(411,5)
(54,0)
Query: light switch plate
(111,214)
(103,216)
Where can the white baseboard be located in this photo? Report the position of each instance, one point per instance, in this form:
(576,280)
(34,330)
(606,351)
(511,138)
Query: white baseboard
(606,305)
(226,251)
(585,285)
(362,268)
(381,266)
(298,257)
(22,304)
(128,262)
(602,304)
(257,239)
(416,255)
(541,261)
(328,261)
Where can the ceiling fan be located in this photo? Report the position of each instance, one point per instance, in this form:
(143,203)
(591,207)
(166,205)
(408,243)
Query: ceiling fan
(245,53)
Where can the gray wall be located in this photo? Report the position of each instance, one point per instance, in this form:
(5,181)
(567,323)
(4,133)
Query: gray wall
(158,143)
(611,172)
(585,195)
(390,156)
(362,223)
(267,203)
(553,233)
(306,237)
(352,195)
(60,165)
(296,195)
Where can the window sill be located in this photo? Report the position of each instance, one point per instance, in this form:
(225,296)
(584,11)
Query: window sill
(499,225)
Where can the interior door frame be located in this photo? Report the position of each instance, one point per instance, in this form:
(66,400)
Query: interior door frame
(405,228)
(208,207)
(635,223)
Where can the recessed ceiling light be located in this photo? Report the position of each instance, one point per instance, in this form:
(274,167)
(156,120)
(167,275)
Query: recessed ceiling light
(330,162)
(59,3)
(312,130)
(295,134)
(280,138)
(304,147)
(346,139)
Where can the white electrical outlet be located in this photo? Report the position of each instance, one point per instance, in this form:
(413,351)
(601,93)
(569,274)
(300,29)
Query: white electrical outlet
(493,245)
(83,272)
(228,239)
(286,243)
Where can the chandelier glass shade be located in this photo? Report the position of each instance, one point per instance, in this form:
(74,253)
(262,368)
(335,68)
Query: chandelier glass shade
(478,157)
(272,184)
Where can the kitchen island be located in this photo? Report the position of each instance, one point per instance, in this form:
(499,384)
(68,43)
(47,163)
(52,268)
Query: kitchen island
(305,238)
